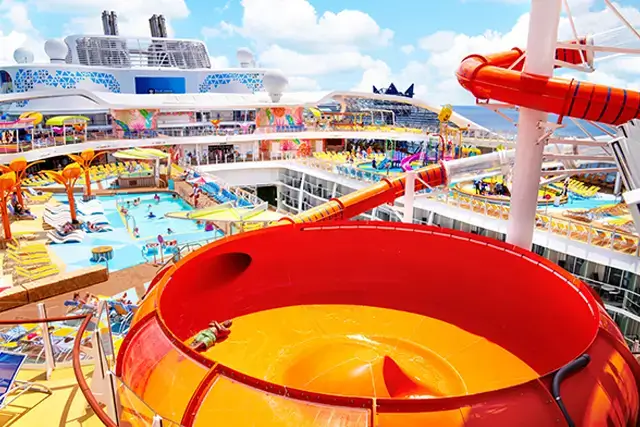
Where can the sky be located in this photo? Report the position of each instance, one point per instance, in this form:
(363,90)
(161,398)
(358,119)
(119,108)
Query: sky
(336,44)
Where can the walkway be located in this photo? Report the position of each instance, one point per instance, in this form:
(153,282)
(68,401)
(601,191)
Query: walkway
(119,281)
(65,407)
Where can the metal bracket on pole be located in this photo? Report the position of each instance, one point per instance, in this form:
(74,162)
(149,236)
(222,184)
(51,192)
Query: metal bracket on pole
(49,359)
(409,196)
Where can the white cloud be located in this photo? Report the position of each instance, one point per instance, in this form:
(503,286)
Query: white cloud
(222,30)
(303,84)
(292,62)
(133,15)
(292,36)
(407,49)
(17,30)
(219,62)
(297,23)
(435,76)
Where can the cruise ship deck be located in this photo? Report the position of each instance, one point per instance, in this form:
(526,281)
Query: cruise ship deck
(187,246)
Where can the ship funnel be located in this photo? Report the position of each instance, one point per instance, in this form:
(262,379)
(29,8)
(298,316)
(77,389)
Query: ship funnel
(153,25)
(106,28)
(162,26)
(114,24)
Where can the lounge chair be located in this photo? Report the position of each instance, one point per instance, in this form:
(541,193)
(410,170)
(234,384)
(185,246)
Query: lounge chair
(37,273)
(29,260)
(27,249)
(10,388)
(76,236)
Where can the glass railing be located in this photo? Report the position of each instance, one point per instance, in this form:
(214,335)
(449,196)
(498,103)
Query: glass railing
(615,240)
(616,296)
(45,344)
(46,140)
(578,231)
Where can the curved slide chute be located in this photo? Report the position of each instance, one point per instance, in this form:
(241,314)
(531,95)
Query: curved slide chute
(496,77)
(405,164)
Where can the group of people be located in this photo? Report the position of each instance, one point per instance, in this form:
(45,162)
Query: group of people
(484,188)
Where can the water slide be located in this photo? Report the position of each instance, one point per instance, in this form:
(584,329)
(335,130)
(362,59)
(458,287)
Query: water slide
(383,163)
(405,164)
(356,345)
(310,367)
(495,77)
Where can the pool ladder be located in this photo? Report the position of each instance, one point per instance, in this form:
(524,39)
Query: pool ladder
(133,220)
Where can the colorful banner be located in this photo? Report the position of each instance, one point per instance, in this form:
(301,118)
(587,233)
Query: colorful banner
(287,116)
(134,120)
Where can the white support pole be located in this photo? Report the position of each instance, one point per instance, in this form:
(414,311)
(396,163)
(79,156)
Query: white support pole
(541,45)
(618,184)
(409,197)
(157,172)
(49,360)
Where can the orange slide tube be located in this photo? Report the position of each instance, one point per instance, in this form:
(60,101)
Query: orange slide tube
(495,77)
(385,191)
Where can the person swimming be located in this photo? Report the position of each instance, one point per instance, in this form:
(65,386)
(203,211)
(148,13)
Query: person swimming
(207,338)
(151,215)
(136,232)
(169,231)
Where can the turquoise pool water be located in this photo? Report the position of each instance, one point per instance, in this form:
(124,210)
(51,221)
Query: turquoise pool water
(367,167)
(578,203)
(127,249)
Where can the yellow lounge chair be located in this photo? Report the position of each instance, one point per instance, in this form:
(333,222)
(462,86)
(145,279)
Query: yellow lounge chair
(37,273)
(33,248)
(29,261)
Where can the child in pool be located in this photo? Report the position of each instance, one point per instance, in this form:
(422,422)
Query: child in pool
(136,232)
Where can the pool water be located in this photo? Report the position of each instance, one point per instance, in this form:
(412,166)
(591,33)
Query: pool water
(127,249)
(150,228)
(368,168)
(579,203)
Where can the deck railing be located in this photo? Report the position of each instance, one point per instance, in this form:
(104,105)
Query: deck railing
(45,140)
(615,240)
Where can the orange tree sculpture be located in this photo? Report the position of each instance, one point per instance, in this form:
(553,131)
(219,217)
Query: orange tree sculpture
(19,166)
(7,186)
(68,178)
(85,159)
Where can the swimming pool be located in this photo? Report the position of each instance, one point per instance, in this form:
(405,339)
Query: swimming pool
(127,249)
(366,166)
(580,203)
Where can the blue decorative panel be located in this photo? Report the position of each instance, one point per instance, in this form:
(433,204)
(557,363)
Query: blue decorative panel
(253,81)
(26,79)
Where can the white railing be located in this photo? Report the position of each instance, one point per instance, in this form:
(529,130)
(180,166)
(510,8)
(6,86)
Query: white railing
(615,240)
(45,139)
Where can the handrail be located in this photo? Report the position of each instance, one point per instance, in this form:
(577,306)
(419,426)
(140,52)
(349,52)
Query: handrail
(77,365)
(82,383)
(42,320)
(615,240)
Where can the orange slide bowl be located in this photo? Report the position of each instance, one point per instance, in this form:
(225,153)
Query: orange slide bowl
(373,324)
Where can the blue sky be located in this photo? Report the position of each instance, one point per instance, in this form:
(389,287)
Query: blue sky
(327,44)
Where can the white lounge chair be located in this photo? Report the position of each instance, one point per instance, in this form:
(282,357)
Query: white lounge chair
(10,388)
(74,237)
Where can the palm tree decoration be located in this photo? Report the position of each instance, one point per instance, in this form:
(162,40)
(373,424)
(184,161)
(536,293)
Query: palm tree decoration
(85,159)
(19,166)
(7,186)
(68,178)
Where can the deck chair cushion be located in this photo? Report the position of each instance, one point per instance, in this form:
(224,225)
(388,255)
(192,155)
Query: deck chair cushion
(10,364)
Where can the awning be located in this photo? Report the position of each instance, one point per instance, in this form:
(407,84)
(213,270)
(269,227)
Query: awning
(66,120)
(140,154)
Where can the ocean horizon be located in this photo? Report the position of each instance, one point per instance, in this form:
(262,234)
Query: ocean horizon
(494,122)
